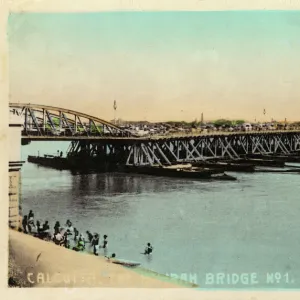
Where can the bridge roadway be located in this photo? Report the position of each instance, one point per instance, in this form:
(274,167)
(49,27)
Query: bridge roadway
(187,136)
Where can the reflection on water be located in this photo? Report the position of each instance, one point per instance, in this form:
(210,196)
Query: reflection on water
(195,227)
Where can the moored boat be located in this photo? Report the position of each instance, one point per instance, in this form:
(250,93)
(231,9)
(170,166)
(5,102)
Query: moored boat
(124,262)
(180,171)
(260,162)
(227,166)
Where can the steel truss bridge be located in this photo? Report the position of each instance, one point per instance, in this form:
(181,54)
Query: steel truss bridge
(93,137)
(53,122)
(166,151)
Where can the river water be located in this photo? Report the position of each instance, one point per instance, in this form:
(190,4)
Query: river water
(200,230)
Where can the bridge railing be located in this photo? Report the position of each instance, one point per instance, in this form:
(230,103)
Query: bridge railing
(209,133)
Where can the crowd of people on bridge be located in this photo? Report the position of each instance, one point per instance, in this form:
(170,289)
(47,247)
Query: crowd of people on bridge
(68,236)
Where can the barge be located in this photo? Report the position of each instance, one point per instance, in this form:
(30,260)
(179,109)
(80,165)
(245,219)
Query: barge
(74,164)
(281,158)
(259,162)
(52,161)
(227,166)
(180,171)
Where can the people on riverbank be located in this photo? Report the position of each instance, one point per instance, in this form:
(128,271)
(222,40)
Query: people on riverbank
(60,236)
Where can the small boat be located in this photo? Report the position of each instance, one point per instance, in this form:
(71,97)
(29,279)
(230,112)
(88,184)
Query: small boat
(124,262)
(223,177)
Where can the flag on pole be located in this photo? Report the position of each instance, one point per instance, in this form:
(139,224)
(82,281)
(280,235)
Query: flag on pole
(115,105)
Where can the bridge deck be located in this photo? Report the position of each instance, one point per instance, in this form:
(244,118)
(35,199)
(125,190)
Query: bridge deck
(153,137)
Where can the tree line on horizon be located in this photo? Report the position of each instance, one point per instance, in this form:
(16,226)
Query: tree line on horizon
(218,123)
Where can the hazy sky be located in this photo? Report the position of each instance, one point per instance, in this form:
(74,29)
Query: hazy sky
(159,65)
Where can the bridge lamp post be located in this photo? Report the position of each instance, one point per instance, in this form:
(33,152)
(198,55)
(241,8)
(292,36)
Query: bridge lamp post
(115,109)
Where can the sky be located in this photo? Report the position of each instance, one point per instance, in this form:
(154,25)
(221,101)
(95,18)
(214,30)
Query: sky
(159,66)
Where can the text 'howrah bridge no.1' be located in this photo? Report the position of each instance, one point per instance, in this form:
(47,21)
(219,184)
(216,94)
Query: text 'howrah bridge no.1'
(94,137)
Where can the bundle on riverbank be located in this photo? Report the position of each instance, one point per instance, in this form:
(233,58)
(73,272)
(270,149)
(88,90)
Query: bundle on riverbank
(36,263)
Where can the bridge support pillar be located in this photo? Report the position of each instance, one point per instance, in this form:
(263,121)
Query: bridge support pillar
(15,164)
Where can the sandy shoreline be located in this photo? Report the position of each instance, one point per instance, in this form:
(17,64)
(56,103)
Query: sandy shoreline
(36,263)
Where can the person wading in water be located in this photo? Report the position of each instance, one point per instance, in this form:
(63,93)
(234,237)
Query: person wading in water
(56,228)
(39,226)
(95,243)
(148,249)
(90,236)
(111,257)
(66,240)
(45,233)
(80,246)
(24,224)
(30,221)
(58,238)
(104,242)
(76,233)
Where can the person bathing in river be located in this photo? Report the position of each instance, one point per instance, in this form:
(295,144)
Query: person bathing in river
(148,249)
(25,223)
(39,227)
(45,232)
(66,241)
(31,214)
(58,238)
(69,225)
(104,242)
(80,246)
(76,233)
(56,228)
(95,243)
(111,257)
(30,223)
(81,238)
(90,236)
(46,227)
